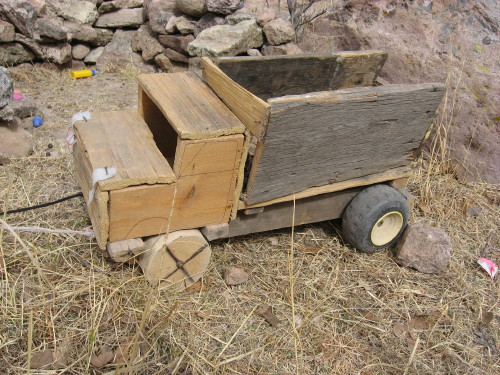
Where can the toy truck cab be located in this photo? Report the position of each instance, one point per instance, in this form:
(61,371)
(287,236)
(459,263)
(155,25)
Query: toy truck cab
(311,131)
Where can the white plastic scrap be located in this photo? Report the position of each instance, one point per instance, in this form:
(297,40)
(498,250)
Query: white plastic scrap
(100,174)
(81,116)
(488,266)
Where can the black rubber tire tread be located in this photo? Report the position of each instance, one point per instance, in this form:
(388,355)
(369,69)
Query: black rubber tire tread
(365,209)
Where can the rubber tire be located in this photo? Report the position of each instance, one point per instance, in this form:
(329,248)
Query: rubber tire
(365,209)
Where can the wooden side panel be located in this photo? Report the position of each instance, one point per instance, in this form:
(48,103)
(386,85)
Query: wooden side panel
(252,111)
(208,155)
(328,137)
(98,208)
(307,210)
(190,105)
(273,76)
(140,211)
(122,140)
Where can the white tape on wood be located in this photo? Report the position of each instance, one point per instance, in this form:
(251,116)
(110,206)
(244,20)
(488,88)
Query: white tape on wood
(100,174)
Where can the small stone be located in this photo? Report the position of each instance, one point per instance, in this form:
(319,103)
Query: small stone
(424,248)
(163,62)
(159,13)
(15,142)
(80,11)
(224,6)
(176,42)
(7,32)
(24,108)
(195,8)
(279,31)
(185,25)
(94,55)
(87,34)
(50,30)
(175,56)
(80,51)
(273,241)
(235,276)
(14,53)
(102,358)
(144,41)
(236,18)
(209,20)
(253,52)
(283,49)
(6,87)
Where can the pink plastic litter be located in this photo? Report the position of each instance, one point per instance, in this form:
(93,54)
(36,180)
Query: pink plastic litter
(17,95)
(488,266)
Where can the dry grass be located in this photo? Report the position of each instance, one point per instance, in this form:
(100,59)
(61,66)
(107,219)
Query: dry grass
(341,311)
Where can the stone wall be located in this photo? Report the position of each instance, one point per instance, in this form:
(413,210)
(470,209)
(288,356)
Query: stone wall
(74,33)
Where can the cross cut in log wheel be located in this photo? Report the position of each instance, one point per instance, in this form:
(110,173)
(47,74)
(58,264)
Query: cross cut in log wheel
(177,259)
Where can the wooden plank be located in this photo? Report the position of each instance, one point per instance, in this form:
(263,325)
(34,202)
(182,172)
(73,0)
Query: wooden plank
(189,105)
(140,211)
(208,155)
(376,178)
(251,110)
(122,140)
(273,76)
(240,179)
(308,210)
(322,138)
(97,208)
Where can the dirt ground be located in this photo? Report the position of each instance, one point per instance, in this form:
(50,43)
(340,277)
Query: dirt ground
(339,311)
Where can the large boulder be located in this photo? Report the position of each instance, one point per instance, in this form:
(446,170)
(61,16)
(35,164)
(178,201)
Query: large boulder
(87,34)
(14,53)
(195,8)
(6,87)
(122,18)
(224,6)
(50,30)
(7,32)
(424,248)
(145,41)
(15,142)
(279,31)
(80,11)
(21,13)
(159,12)
(227,40)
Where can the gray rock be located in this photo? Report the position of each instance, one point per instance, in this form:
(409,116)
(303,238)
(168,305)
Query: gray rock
(119,50)
(159,12)
(226,40)
(235,276)
(21,13)
(14,53)
(50,30)
(426,249)
(224,6)
(163,62)
(144,41)
(94,55)
(178,43)
(122,18)
(24,108)
(6,113)
(110,6)
(236,18)
(279,31)
(87,34)
(175,56)
(265,16)
(40,6)
(195,8)
(7,32)
(15,142)
(57,53)
(6,87)
(209,20)
(283,49)
(80,11)
(31,44)
(253,52)
(80,51)
(186,25)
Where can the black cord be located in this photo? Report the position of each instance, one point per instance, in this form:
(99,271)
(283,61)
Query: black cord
(45,204)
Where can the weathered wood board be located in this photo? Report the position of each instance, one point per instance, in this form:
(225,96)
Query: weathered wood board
(322,138)
(273,76)
(281,215)
(122,140)
(251,110)
(190,105)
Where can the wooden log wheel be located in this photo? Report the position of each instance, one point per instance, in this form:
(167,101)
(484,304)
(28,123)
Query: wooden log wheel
(176,260)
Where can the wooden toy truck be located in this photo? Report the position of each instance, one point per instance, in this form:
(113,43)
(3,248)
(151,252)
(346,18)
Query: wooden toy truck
(254,144)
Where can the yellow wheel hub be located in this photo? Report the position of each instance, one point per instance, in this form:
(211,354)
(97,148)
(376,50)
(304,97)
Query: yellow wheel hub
(386,228)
